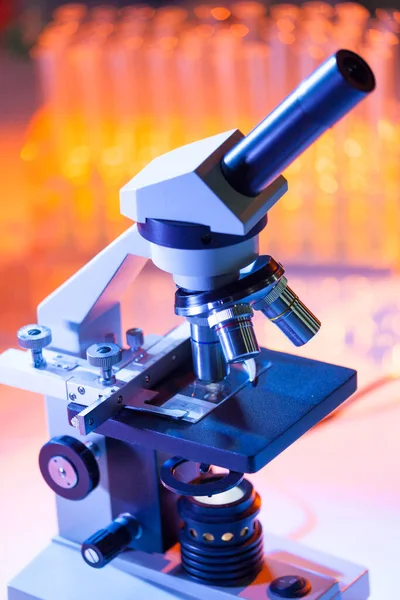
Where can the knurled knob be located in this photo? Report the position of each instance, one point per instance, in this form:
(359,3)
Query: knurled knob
(237,311)
(104,355)
(134,338)
(34,337)
(69,467)
(235,332)
(106,544)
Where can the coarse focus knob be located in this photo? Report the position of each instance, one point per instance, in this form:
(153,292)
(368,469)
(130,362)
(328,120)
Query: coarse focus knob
(105,356)
(35,338)
(68,467)
(134,338)
(106,544)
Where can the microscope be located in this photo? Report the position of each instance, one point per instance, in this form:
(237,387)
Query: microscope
(150,436)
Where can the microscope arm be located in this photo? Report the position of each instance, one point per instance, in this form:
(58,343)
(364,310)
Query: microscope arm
(86,308)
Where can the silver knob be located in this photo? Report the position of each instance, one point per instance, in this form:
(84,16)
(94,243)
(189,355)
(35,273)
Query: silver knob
(134,338)
(105,356)
(235,332)
(35,338)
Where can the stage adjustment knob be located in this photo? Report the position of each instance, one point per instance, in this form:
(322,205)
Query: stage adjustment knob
(105,356)
(68,467)
(134,338)
(106,544)
(35,338)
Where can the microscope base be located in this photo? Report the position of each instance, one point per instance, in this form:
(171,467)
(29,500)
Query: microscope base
(60,573)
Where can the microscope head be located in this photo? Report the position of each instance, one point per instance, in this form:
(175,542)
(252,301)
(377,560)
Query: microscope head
(202,207)
(201,230)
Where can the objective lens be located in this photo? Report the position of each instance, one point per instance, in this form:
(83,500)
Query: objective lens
(208,358)
(235,332)
(285,309)
(221,540)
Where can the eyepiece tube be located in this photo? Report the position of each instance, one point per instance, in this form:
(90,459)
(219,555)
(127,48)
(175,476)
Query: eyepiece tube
(321,100)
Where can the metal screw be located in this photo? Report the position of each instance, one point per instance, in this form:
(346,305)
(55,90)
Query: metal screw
(91,556)
(62,472)
(119,400)
(94,449)
(104,356)
(35,338)
(81,390)
(204,468)
(134,338)
(75,422)
(72,397)
(147,378)
(91,421)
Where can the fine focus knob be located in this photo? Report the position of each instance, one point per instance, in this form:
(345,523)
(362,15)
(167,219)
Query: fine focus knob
(134,338)
(68,467)
(35,338)
(106,544)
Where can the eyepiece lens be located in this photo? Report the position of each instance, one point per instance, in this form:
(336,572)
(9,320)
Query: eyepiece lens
(355,70)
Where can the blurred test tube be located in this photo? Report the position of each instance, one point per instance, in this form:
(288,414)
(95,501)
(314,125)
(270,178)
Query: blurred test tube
(160,56)
(51,57)
(351,20)
(73,12)
(222,57)
(349,25)
(228,77)
(254,58)
(316,35)
(381,49)
(194,80)
(283,78)
(89,53)
(282,35)
(317,217)
(126,74)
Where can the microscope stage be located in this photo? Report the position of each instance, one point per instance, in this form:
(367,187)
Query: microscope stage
(252,427)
